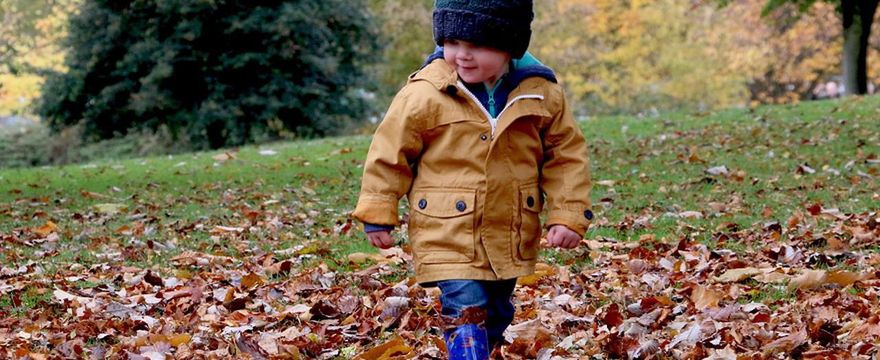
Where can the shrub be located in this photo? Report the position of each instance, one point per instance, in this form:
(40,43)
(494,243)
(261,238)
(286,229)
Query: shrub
(219,73)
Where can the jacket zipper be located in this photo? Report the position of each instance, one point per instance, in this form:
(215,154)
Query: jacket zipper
(491,94)
(494,120)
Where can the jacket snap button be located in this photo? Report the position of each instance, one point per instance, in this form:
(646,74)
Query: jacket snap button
(530,201)
(588,214)
(484,137)
(460,206)
(423,204)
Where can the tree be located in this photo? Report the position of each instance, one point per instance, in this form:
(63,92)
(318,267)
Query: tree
(630,56)
(405,28)
(857,16)
(18,29)
(29,38)
(220,72)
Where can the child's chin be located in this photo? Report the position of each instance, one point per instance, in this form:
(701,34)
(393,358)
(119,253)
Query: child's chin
(471,79)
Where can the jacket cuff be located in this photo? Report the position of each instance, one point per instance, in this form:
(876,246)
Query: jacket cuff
(576,221)
(368,228)
(377,211)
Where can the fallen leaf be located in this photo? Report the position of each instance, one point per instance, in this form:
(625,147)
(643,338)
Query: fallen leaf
(251,280)
(218,230)
(717,170)
(689,337)
(690,215)
(224,156)
(249,345)
(736,275)
(47,228)
(808,279)
(704,297)
(843,278)
(109,208)
(542,270)
(786,344)
(386,351)
(360,258)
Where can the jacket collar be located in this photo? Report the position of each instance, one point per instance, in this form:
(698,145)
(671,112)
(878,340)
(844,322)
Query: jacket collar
(438,73)
(520,69)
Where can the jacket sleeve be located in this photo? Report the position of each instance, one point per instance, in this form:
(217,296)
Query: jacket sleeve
(565,175)
(388,170)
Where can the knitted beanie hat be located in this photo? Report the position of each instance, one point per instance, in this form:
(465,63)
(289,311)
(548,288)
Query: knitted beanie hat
(501,24)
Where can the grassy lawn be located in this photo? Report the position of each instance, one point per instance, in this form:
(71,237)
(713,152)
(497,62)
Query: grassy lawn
(728,180)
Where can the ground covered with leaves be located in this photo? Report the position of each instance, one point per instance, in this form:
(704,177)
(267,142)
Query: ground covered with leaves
(748,233)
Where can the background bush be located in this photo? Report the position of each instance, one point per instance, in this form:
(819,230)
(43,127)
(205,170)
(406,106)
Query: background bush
(36,145)
(218,73)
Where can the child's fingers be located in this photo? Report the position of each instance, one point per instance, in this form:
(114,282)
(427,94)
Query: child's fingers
(386,240)
(571,242)
(553,237)
(380,239)
(374,240)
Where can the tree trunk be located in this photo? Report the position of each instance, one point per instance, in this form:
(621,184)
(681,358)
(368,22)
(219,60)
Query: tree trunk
(858,15)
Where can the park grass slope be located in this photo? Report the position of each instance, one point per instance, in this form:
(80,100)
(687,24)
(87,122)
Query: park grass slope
(746,231)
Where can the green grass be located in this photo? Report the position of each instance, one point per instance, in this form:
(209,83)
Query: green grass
(772,295)
(19,303)
(657,166)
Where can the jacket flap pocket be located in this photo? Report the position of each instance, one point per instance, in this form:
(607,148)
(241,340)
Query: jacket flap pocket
(530,195)
(443,203)
(529,107)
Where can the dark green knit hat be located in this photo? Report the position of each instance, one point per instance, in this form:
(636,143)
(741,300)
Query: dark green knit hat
(501,24)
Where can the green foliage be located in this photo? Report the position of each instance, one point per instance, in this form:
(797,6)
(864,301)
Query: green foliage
(18,29)
(219,73)
(634,56)
(35,145)
(405,28)
(802,5)
(29,35)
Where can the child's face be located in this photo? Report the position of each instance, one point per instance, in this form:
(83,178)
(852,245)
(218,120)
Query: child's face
(474,63)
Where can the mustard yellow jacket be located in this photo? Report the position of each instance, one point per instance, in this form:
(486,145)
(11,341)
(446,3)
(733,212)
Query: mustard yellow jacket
(475,193)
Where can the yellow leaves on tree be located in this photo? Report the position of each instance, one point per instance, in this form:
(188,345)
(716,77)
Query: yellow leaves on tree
(636,55)
(639,55)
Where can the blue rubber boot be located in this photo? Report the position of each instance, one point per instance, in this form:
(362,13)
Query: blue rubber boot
(467,342)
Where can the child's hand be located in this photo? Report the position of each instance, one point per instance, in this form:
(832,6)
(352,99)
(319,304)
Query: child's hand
(562,237)
(380,239)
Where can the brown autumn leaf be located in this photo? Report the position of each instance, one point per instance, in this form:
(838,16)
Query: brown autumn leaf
(542,270)
(224,156)
(152,279)
(809,279)
(250,345)
(786,344)
(46,229)
(220,230)
(612,316)
(92,195)
(360,258)
(251,280)
(391,349)
(737,275)
(869,329)
(703,297)
(844,278)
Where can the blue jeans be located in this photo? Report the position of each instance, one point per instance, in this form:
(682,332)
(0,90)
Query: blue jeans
(493,296)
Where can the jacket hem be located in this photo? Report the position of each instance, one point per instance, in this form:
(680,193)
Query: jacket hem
(434,275)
